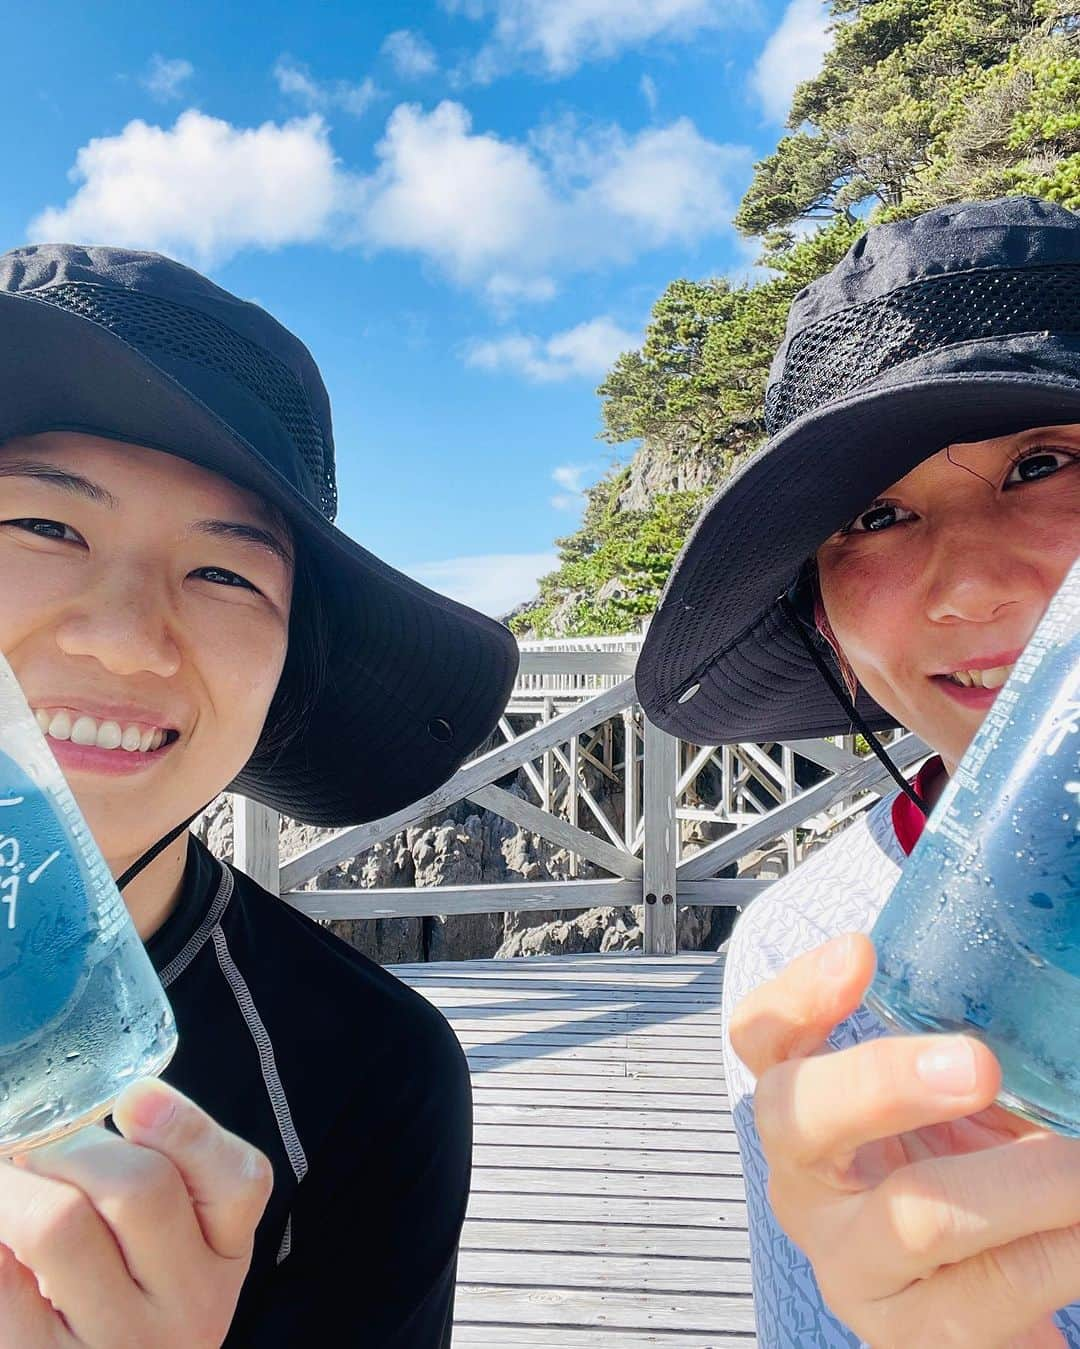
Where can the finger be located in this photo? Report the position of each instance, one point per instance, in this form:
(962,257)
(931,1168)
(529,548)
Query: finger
(817,1112)
(141,1197)
(228,1179)
(1004,1292)
(949,1209)
(25,1316)
(792,1015)
(54,1231)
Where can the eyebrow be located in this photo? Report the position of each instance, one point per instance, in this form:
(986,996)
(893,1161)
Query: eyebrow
(76,485)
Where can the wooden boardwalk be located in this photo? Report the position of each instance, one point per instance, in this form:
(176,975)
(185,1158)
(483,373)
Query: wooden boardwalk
(607,1208)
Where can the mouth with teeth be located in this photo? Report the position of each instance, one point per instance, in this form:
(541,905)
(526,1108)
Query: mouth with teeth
(80,729)
(981,679)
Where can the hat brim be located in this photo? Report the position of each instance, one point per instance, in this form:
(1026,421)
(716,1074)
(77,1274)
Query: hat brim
(720,624)
(415,681)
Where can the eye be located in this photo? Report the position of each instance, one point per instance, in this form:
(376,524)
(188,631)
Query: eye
(46,529)
(1039,462)
(220,576)
(881,515)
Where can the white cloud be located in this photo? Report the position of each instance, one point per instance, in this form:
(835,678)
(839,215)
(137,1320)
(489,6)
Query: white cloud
(671,182)
(585,351)
(509,215)
(649,92)
(471,202)
(494,584)
(203,188)
(296,80)
(571,478)
(504,289)
(163,78)
(412,55)
(563,34)
(792,54)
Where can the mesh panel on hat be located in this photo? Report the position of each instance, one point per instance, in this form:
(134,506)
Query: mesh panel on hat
(838,354)
(152,325)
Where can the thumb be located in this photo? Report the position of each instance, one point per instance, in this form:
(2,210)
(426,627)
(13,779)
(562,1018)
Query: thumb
(228,1179)
(791,1015)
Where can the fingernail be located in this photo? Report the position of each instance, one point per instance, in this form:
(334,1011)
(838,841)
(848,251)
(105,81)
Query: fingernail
(949,1066)
(835,957)
(153,1110)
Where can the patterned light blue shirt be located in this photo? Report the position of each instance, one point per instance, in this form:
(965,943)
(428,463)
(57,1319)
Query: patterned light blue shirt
(842,888)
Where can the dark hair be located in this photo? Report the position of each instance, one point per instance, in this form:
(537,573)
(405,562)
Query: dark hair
(306,661)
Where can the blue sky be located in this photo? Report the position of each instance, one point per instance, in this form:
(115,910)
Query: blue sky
(464,207)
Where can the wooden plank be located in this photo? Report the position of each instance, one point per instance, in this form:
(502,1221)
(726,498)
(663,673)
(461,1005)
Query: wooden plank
(607,1308)
(540,1180)
(659,1139)
(585,1067)
(477,773)
(824,753)
(524,1269)
(584,962)
(689,1071)
(532,1047)
(626,1089)
(255,842)
(560,1117)
(592,1238)
(529,1095)
(628,1159)
(529,972)
(577,662)
(720,891)
(611,1209)
(630,777)
(556,830)
(687,997)
(498,1336)
(556,1036)
(584,1024)
(421,902)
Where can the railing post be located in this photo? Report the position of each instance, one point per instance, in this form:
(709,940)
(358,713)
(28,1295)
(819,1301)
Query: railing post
(630,790)
(661,840)
(255,842)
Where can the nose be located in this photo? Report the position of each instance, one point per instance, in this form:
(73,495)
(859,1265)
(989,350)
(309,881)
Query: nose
(122,623)
(977,574)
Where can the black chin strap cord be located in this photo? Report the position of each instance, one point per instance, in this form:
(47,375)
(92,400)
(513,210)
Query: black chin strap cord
(847,703)
(158,848)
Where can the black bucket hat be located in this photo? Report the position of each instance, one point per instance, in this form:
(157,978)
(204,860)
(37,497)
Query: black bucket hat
(961,324)
(135,347)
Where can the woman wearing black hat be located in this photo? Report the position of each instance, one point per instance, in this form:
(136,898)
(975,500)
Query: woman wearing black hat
(882,562)
(184,618)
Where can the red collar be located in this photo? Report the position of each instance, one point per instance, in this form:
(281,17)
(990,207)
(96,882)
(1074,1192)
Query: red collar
(907,818)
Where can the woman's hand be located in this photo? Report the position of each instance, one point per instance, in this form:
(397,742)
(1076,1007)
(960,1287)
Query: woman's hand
(140,1242)
(931,1216)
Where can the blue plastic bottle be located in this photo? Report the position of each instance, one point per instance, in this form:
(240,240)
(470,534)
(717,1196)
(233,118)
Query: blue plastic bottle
(982,932)
(82,1012)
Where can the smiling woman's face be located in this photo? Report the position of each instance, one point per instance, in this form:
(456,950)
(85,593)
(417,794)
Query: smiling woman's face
(935,588)
(146,602)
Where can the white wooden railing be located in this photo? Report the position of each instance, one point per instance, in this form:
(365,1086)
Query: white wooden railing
(559,729)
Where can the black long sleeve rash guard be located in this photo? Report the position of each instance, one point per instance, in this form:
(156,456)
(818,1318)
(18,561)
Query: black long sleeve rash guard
(356,1089)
